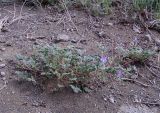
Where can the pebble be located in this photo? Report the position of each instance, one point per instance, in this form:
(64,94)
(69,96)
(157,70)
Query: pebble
(100,34)
(111,99)
(105,99)
(63,37)
(2,73)
(110,24)
(2,65)
(97,25)
(3,49)
(13,92)
(156,48)
(148,37)
(74,41)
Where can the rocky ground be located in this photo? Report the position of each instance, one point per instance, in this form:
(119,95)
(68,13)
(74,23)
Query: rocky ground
(28,27)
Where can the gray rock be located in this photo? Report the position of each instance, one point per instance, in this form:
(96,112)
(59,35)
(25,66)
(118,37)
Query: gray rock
(2,49)
(2,65)
(2,73)
(62,38)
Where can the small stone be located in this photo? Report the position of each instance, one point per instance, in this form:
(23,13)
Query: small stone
(71,30)
(39,104)
(100,34)
(3,73)
(36,104)
(1,59)
(110,24)
(3,49)
(25,104)
(4,29)
(62,38)
(111,99)
(13,92)
(67,29)
(2,65)
(73,15)
(74,41)
(148,37)
(30,37)
(105,99)
(97,25)
(156,48)
(4,79)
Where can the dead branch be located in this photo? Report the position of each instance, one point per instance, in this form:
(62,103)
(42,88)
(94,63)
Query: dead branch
(5,85)
(70,18)
(154,65)
(149,103)
(153,73)
(135,81)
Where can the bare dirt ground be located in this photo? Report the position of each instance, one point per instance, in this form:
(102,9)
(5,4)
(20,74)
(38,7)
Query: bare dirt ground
(35,27)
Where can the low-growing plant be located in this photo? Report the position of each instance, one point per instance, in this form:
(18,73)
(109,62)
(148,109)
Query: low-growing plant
(134,55)
(150,5)
(62,67)
(58,67)
(97,7)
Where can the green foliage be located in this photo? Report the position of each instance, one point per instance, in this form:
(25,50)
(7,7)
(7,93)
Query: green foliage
(97,7)
(147,4)
(135,54)
(65,66)
(142,4)
(52,1)
(138,54)
(71,67)
(111,70)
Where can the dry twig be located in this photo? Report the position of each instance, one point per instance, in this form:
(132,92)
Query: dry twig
(153,73)
(135,81)
(5,85)
(154,65)
(149,103)
(70,18)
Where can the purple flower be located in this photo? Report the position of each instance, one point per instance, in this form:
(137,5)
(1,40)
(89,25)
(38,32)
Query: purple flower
(104,59)
(119,73)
